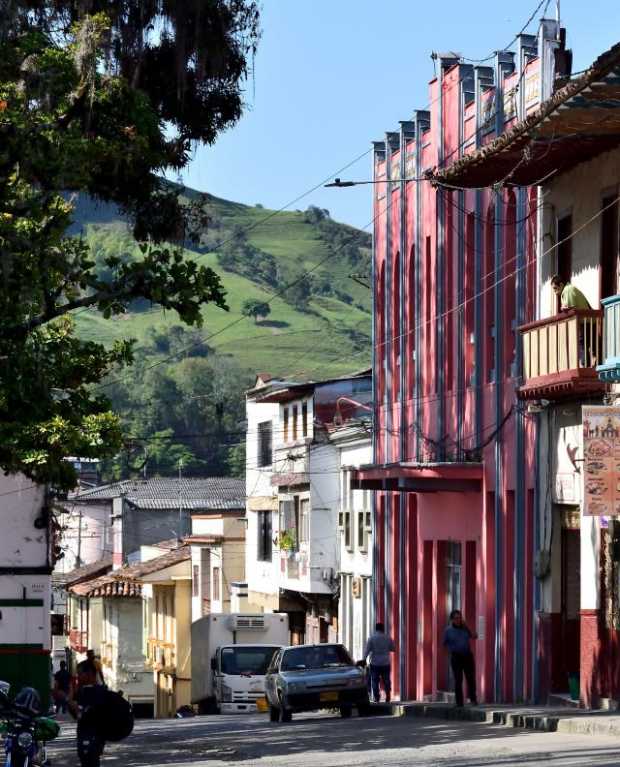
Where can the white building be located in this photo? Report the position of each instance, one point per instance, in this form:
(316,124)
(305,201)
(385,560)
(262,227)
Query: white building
(293,485)
(354,446)
(26,561)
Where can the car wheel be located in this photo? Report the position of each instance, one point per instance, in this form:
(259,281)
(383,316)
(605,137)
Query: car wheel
(286,715)
(345,711)
(274,713)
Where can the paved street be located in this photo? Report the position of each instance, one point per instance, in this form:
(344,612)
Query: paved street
(317,740)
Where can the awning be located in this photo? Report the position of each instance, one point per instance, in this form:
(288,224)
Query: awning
(419,477)
(579,122)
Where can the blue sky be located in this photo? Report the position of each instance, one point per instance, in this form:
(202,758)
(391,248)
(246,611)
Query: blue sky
(332,75)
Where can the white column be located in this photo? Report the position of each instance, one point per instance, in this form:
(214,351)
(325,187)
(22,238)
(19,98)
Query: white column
(590,576)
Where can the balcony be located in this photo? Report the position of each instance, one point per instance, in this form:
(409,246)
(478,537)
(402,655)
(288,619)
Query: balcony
(560,355)
(609,369)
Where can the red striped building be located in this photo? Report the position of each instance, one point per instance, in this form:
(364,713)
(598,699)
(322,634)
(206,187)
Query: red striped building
(454,449)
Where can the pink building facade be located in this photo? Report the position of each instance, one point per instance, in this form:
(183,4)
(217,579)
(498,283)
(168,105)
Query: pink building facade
(455,464)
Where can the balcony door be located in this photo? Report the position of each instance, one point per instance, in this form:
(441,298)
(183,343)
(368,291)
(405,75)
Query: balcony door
(609,246)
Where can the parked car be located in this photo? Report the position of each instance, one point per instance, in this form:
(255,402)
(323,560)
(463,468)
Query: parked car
(311,677)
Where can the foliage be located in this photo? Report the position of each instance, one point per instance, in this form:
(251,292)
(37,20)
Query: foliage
(238,255)
(96,103)
(236,460)
(253,308)
(190,410)
(287,541)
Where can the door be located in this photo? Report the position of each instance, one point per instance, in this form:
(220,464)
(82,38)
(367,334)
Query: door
(609,247)
(571,598)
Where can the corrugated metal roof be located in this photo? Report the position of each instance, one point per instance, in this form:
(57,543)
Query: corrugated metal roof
(194,493)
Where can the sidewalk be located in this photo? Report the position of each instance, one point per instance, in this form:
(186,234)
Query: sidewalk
(541,718)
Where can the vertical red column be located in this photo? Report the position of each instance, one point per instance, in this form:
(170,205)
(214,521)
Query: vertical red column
(394,569)
(526,645)
(440,614)
(487,654)
(380,574)
(411,577)
(508,566)
(426,655)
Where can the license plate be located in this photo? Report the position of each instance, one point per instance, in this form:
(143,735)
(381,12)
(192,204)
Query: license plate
(325,696)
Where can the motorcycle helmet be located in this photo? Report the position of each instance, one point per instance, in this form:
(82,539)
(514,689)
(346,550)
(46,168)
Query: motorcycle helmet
(28,701)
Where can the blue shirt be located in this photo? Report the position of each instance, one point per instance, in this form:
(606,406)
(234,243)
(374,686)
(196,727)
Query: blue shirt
(456,639)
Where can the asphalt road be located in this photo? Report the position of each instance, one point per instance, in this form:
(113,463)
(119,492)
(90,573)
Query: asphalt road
(324,740)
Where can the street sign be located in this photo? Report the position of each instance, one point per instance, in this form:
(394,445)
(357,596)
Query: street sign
(601,450)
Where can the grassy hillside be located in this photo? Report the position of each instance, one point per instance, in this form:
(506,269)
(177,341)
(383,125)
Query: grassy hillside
(183,399)
(330,336)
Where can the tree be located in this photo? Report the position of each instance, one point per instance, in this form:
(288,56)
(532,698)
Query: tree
(98,97)
(254,308)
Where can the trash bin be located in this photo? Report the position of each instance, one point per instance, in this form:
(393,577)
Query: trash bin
(573,686)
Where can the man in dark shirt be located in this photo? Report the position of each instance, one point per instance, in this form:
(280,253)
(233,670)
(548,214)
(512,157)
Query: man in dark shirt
(456,640)
(62,687)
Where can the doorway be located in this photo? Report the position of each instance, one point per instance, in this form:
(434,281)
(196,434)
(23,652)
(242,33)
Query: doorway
(571,600)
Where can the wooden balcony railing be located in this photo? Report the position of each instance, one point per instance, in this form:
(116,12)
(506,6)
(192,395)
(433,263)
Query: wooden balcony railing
(609,369)
(560,355)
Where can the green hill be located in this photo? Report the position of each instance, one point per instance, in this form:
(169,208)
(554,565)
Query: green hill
(185,390)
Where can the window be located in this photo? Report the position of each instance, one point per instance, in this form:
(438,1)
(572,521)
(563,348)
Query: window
(609,247)
(195,580)
(294,417)
(264,551)
(428,318)
(216,584)
(489,288)
(304,514)
(304,419)
(362,531)
(344,522)
(286,423)
(264,444)
(289,513)
(470,291)
(510,284)
(395,334)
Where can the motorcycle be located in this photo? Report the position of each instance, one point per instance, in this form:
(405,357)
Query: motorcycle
(25,731)
(103,715)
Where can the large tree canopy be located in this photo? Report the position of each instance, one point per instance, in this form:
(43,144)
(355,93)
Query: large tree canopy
(99,97)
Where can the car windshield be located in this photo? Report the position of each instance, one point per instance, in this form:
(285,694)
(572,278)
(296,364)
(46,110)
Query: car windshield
(319,656)
(244,659)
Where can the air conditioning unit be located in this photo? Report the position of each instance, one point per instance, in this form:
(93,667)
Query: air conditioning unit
(245,622)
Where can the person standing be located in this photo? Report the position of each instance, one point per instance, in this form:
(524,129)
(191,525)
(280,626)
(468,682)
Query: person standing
(456,640)
(62,687)
(378,649)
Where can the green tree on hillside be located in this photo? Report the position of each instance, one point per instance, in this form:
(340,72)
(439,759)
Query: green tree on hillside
(254,308)
(92,101)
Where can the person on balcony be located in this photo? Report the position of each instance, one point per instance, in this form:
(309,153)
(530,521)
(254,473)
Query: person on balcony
(570,296)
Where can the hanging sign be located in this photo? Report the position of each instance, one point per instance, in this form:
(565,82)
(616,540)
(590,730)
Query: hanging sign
(601,450)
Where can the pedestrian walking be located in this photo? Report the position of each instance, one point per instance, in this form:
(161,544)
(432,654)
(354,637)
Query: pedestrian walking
(62,688)
(378,649)
(456,640)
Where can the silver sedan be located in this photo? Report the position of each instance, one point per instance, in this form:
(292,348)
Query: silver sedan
(311,677)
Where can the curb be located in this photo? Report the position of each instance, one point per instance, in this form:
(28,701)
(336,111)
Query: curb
(519,719)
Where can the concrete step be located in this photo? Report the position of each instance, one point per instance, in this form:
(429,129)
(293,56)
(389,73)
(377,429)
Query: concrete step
(541,718)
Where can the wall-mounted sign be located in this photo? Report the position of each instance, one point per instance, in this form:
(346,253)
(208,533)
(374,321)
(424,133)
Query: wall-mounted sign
(601,449)
(532,88)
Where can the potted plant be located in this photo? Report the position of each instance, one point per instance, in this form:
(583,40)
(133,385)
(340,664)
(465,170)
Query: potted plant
(286,540)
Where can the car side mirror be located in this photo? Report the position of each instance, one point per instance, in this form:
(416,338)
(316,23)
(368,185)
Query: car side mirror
(213,664)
